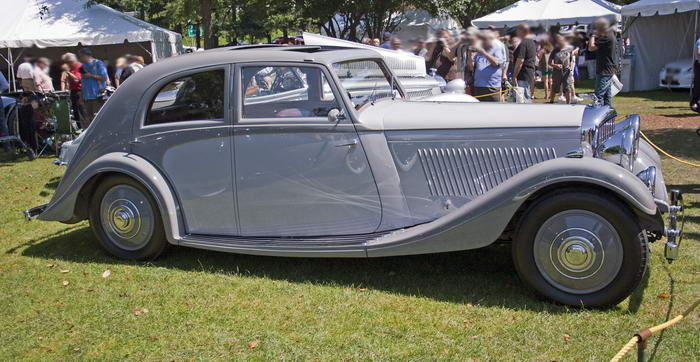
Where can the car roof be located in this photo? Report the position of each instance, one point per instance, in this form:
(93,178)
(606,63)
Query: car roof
(242,54)
(276,53)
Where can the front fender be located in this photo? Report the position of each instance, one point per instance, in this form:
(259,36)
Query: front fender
(63,206)
(483,220)
(588,170)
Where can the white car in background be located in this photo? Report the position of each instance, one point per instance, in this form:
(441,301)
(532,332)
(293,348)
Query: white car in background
(678,74)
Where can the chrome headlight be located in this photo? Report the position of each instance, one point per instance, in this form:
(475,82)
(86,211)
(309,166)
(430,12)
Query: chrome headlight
(622,146)
(648,176)
(621,149)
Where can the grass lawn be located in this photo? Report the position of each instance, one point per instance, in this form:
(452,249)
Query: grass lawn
(193,304)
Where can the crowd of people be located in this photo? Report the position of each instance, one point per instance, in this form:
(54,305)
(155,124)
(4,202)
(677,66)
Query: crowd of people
(83,75)
(491,61)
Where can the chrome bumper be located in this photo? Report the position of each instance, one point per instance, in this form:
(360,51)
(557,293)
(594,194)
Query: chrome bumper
(673,232)
(32,213)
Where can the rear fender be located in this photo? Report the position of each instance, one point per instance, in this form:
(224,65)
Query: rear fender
(63,207)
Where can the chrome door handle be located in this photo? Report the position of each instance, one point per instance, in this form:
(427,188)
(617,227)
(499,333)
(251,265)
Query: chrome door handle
(350,143)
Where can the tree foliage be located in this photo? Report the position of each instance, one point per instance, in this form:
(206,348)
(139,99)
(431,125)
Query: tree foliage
(237,20)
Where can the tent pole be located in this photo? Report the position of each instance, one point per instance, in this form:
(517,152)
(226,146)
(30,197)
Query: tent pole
(11,70)
(695,36)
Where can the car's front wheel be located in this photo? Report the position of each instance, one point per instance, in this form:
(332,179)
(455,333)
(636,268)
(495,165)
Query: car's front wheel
(581,248)
(126,220)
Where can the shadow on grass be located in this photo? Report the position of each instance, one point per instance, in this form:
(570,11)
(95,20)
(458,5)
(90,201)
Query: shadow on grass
(481,277)
(680,142)
(50,186)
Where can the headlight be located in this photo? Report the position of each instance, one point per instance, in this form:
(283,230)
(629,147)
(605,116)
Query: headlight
(648,176)
(622,147)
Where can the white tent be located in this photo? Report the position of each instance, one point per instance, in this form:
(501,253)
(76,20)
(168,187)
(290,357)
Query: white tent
(421,24)
(661,31)
(54,24)
(412,24)
(660,7)
(547,13)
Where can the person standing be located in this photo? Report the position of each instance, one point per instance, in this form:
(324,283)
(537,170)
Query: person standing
(546,70)
(488,67)
(419,47)
(73,79)
(696,79)
(562,62)
(94,79)
(441,59)
(525,58)
(604,43)
(120,64)
(386,40)
(42,80)
(4,130)
(396,44)
(25,74)
(132,67)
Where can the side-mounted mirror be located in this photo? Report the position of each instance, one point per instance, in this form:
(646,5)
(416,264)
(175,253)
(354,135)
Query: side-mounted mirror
(335,115)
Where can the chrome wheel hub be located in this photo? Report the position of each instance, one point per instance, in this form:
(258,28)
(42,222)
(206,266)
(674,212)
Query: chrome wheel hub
(127,217)
(578,251)
(576,254)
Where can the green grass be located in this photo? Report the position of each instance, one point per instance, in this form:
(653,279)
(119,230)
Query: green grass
(658,102)
(207,305)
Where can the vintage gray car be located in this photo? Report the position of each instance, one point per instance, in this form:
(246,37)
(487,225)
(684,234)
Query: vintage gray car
(318,151)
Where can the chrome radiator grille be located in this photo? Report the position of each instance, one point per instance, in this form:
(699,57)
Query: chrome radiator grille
(417,93)
(605,130)
(474,171)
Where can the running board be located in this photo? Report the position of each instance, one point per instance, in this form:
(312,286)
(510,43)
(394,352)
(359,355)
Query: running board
(349,246)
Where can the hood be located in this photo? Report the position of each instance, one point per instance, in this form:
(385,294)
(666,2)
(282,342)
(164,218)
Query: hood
(682,64)
(406,115)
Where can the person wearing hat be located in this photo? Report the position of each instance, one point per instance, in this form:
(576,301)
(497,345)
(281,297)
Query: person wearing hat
(386,40)
(487,65)
(94,79)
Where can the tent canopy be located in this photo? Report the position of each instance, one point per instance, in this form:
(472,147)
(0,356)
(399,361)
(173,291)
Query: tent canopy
(660,7)
(550,12)
(662,31)
(67,23)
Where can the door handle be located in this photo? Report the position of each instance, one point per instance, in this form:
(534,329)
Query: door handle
(350,143)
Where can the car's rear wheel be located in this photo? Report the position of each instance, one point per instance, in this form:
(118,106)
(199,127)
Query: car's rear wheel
(580,248)
(126,220)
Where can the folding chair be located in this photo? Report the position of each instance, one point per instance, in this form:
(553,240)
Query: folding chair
(65,127)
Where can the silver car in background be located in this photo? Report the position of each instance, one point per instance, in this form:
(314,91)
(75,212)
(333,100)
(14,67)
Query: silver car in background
(318,151)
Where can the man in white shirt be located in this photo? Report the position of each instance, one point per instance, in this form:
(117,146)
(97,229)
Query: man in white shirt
(25,73)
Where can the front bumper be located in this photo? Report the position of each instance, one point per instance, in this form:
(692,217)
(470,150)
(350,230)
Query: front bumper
(673,231)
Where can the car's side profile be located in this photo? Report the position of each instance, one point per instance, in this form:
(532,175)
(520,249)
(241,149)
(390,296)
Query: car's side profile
(319,152)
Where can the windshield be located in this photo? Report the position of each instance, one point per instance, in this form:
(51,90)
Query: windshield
(364,80)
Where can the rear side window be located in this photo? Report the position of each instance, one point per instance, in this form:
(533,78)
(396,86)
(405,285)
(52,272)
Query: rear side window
(195,97)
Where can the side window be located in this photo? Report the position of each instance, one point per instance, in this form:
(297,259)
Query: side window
(286,92)
(195,97)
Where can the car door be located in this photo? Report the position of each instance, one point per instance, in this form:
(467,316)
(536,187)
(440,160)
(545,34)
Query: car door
(297,172)
(186,133)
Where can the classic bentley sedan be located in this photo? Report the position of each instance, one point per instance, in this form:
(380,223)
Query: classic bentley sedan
(318,151)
